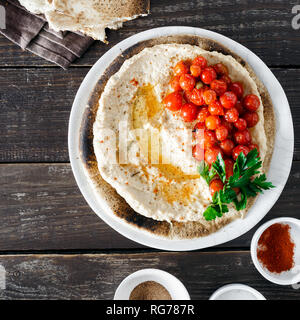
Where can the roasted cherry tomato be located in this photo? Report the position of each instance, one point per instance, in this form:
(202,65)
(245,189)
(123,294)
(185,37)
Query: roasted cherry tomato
(237,150)
(241,124)
(228,100)
(232,115)
(222,133)
(252,146)
(228,125)
(187,96)
(203,114)
(187,82)
(208,75)
(227,146)
(240,108)
(251,118)
(206,138)
(195,70)
(216,109)
(181,68)
(242,137)
(209,96)
(196,97)
(251,102)
(229,168)
(221,69)
(219,86)
(198,153)
(199,126)
(229,172)
(238,89)
(174,83)
(200,61)
(209,139)
(215,186)
(227,79)
(198,129)
(189,112)
(173,101)
(212,122)
(211,154)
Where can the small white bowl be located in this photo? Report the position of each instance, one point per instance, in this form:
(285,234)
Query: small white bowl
(175,287)
(236,291)
(284,278)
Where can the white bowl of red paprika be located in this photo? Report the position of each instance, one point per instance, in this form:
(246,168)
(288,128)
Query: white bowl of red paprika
(275,250)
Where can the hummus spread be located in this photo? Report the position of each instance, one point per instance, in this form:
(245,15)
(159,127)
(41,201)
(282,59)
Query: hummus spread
(143,150)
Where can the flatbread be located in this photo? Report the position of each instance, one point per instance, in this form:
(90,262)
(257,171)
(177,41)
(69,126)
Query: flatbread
(36,6)
(90,17)
(106,192)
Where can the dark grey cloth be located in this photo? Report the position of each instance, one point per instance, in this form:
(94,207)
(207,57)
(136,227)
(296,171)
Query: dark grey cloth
(31,32)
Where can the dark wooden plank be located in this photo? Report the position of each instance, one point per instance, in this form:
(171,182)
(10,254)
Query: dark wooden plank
(97,276)
(34,115)
(41,208)
(264,26)
(36,104)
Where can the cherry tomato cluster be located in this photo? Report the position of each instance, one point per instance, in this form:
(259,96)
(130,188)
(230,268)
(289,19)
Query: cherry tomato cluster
(207,96)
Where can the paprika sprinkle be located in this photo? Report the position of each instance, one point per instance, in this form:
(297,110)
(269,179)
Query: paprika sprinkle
(276,248)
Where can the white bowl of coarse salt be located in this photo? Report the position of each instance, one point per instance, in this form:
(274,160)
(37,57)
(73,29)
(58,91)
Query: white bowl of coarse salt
(236,291)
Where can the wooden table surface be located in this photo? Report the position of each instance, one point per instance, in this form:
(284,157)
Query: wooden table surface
(52,245)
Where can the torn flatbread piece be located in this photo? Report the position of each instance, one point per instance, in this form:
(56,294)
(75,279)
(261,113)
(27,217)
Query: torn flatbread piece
(91,17)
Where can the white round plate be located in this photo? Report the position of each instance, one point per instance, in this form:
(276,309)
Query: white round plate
(280,164)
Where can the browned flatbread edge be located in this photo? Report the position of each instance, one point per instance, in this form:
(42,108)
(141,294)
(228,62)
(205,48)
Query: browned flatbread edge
(118,204)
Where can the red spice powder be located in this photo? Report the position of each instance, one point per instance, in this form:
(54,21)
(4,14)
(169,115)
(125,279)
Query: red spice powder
(276,248)
(134,82)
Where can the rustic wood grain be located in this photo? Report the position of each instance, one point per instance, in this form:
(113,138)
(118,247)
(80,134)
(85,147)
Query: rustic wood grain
(36,104)
(34,114)
(264,26)
(97,276)
(41,208)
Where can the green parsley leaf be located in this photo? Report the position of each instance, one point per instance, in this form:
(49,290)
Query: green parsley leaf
(205,173)
(228,195)
(262,183)
(241,205)
(213,211)
(245,176)
(252,158)
(219,166)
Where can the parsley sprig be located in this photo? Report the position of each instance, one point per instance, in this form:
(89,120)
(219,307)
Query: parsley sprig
(246,176)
